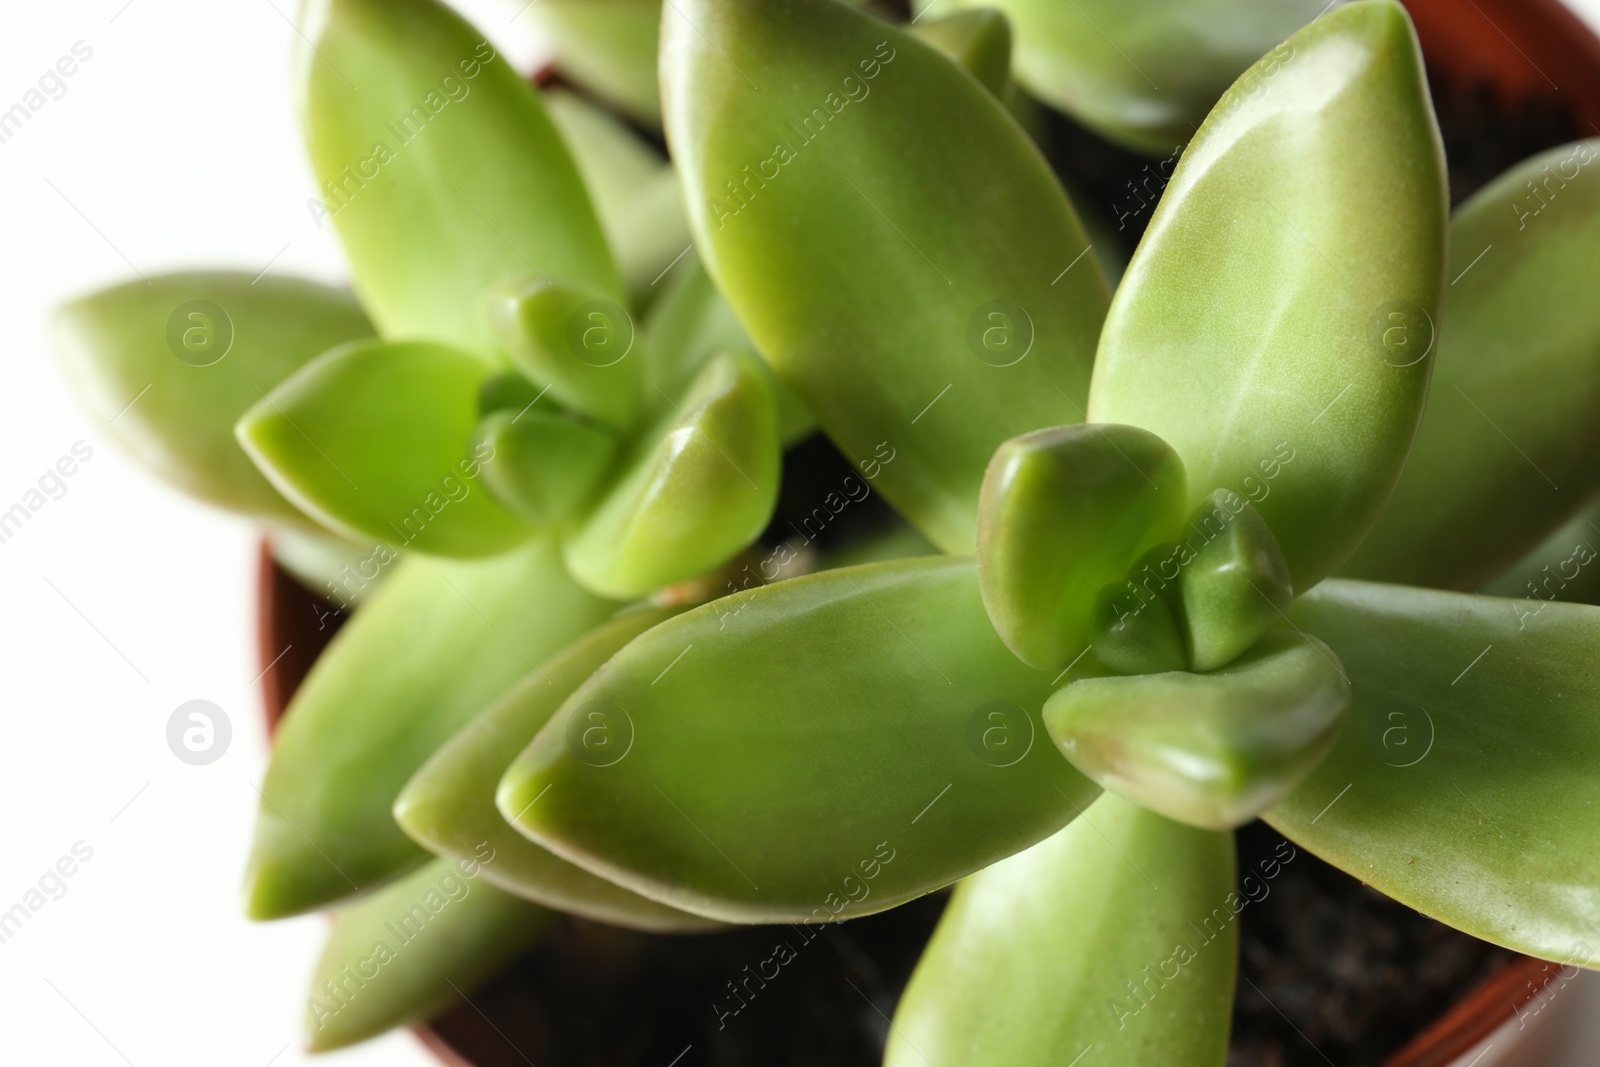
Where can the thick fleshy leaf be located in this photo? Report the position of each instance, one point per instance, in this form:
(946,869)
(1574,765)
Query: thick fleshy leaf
(1113,942)
(1137,627)
(1284,295)
(1464,784)
(1510,446)
(1101,60)
(546,465)
(697,489)
(437,644)
(330,565)
(1065,512)
(897,248)
(374,439)
(448,806)
(439,167)
(1236,586)
(414,947)
(638,195)
(827,746)
(689,324)
(573,341)
(1212,750)
(615,162)
(979,40)
(1561,568)
(168,366)
(609,47)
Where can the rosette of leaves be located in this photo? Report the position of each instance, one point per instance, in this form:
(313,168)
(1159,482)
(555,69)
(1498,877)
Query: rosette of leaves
(1138,641)
(487,444)
(1133,644)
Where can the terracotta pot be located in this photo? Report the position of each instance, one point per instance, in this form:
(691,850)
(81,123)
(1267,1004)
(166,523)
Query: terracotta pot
(1526,50)
(1525,53)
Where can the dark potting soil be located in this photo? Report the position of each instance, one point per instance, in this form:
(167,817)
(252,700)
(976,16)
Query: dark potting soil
(1330,971)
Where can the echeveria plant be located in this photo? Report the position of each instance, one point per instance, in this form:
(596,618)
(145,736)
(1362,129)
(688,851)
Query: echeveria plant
(1144,630)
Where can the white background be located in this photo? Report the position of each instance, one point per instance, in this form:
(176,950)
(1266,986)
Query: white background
(174,146)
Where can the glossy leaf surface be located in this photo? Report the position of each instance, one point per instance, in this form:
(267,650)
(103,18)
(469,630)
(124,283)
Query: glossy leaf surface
(414,947)
(1464,784)
(1560,568)
(827,746)
(1510,445)
(897,248)
(613,160)
(573,341)
(325,563)
(375,440)
(696,490)
(439,642)
(546,465)
(1113,941)
(169,366)
(1064,513)
(439,167)
(1236,587)
(1142,74)
(1137,626)
(689,324)
(1283,294)
(1211,750)
(448,806)
(980,41)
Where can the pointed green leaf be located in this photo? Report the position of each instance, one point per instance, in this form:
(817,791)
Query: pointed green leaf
(1236,586)
(613,160)
(1101,60)
(574,341)
(637,194)
(448,806)
(1113,942)
(413,948)
(374,439)
(1284,294)
(439,167)
(545,466)
(1211,750)
(1139,633)
(1561,568)
(168,366)
(435,645)
(1064,513)
(330,565)
(1464,784)
(689,324)
(652,233)
(698,488)
(980,41)
(609,47)
(1510,445)
(827,746)
(896,246)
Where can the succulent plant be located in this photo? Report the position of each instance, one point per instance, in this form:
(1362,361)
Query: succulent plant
(1164,513)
